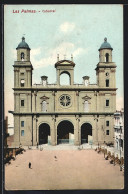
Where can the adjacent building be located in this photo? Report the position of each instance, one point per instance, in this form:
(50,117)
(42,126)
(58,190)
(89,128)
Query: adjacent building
(119,129)
(56,113)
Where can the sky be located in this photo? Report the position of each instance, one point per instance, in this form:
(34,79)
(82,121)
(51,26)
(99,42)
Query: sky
(66,29)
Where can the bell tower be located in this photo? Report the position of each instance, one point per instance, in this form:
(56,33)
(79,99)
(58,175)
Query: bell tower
(23,67)
(106,68)
(67,67)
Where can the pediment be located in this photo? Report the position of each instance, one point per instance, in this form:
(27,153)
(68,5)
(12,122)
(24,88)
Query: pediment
(65,62)
(44,97)
(86,97)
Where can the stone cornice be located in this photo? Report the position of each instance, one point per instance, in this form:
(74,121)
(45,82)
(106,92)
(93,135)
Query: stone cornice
(105,66)
(65,89)
(65,113)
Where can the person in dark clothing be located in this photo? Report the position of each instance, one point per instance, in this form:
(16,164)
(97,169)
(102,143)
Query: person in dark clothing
(29,164)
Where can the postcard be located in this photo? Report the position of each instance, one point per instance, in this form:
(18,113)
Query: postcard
(63,88)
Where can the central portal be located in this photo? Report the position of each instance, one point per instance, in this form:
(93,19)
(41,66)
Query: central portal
(44,132)
(65,132)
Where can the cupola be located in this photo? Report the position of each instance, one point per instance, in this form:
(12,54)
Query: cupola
(23,51)
(105,52)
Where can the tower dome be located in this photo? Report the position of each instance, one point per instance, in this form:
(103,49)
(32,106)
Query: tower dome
(105,45)
(23,44)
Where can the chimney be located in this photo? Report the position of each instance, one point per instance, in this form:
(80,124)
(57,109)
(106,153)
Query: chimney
(86,80)
(44,80)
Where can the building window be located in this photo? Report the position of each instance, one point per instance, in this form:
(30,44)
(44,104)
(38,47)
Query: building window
(22,73)
(107,123)
(22,123)
(107,82)
(22,132)
(22,102)
(44,106)
(107,132)
(107,102)
(65,100)
(107,57)
(22,56)
(22,82)
(86,106)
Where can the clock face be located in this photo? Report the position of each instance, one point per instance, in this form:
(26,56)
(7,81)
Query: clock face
(65,100)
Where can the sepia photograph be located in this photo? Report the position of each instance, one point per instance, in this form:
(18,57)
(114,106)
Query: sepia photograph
(63,97)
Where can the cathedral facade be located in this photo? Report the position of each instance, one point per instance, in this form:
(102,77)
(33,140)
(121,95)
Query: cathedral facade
(55,113)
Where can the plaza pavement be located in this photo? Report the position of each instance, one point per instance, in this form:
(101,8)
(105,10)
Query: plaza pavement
(62,168)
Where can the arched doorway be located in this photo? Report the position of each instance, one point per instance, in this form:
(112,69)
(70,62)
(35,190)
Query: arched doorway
(86,129)
(65,132)
(44,132)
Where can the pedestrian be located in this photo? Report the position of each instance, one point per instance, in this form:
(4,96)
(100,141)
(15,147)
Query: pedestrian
(29,164)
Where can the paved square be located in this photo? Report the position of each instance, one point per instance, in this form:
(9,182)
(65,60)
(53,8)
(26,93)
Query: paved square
(70,169)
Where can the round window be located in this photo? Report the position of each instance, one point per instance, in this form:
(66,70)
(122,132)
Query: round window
(107,74)
(65,100)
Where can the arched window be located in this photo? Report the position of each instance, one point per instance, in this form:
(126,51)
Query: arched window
(22,56)
(107,57)
(22,82)
(44,106)
(64,79)
(86,106)
(107,82)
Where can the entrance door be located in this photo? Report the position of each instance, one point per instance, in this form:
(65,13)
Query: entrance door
(65,131)
(44,132)
(86,129)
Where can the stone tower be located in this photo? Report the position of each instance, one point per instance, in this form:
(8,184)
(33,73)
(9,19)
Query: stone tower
(22,90)
(67,67)
(106,69)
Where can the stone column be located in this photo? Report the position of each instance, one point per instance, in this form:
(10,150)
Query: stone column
(17,78)
(77,94)
(35,120)
(17,102)
(58,76)
(97,130)
(77,131)
(29,78)
(16,131)
(14,78)
(53,93)
(34,101)
(53,131)
(29,102)
(72,77)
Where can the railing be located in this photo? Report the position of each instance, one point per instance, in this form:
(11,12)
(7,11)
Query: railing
(65,141)
(63,86)
(83,141)
(111,157)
